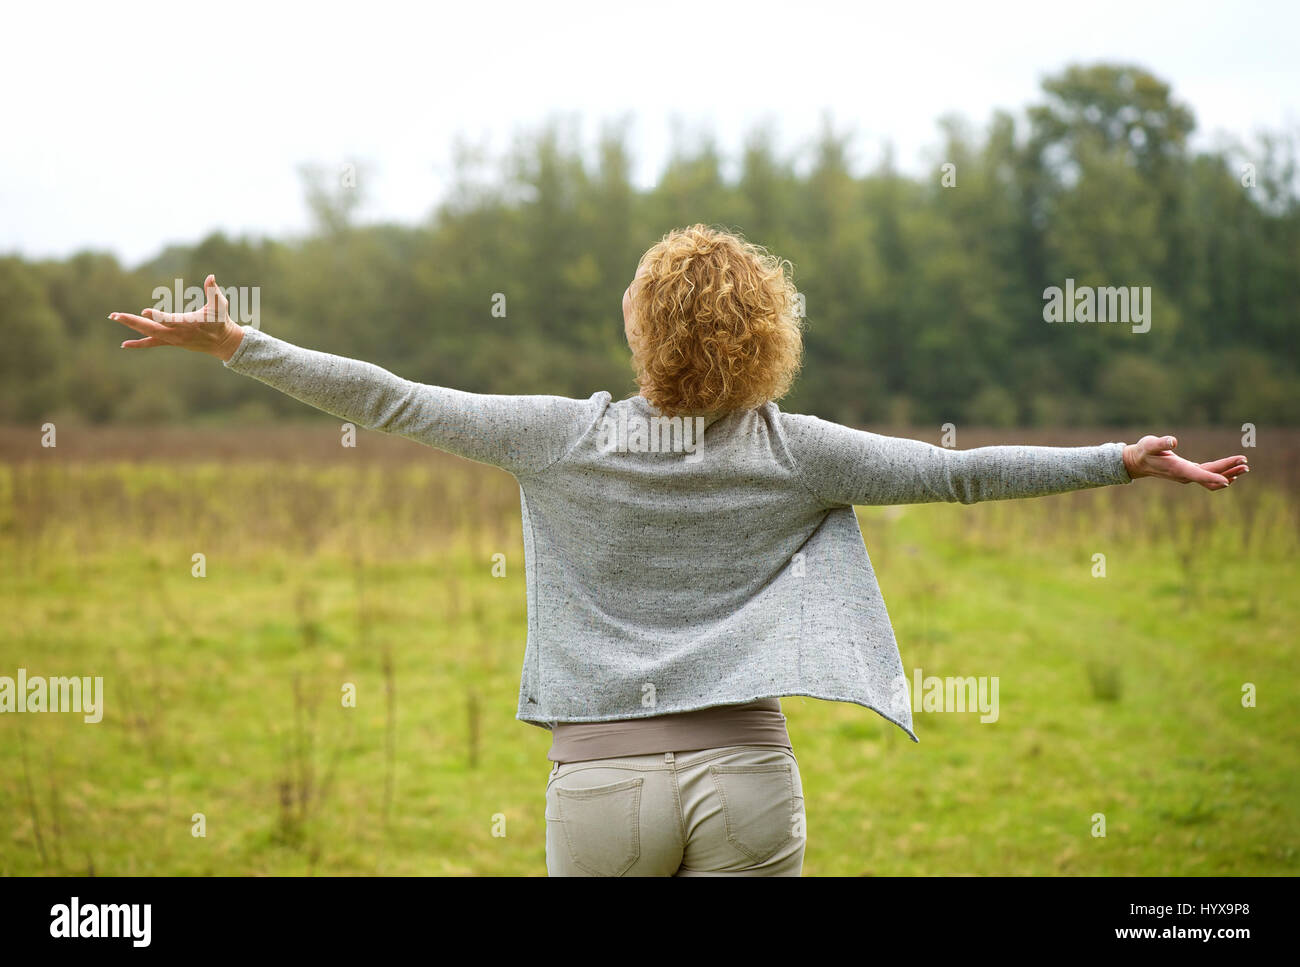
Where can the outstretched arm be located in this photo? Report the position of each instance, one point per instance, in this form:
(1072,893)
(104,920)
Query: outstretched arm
(847,466)
(522,434)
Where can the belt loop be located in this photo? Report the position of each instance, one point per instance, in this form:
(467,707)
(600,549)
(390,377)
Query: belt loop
(668,757)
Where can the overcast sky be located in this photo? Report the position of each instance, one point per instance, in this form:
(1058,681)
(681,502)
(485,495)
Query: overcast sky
(128,126)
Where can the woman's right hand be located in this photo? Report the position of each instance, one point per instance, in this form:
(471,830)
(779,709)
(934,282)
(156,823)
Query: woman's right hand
(1154,456)
(207,330)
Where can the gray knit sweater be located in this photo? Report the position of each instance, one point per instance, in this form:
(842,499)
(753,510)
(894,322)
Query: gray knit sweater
(673,566)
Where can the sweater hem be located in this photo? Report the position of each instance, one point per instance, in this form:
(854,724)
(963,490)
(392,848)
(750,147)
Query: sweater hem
(546,722)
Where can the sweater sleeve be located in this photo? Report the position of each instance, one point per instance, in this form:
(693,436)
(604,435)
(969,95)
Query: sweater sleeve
(846,466)
(521,434)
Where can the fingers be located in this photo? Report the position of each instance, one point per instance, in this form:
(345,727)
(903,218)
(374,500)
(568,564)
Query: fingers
(216,308)
(218,304)
(1225,464)
(1216,474)
(138,323)
(1213,475)
(172,318)
(150,329)
(1193,473)
(183,329)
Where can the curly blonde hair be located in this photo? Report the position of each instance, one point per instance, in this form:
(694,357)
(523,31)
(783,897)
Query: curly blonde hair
(717,323)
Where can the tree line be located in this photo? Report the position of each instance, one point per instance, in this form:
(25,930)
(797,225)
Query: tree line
(924,294)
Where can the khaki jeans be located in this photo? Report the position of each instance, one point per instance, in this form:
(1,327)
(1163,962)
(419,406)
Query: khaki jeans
(735,811)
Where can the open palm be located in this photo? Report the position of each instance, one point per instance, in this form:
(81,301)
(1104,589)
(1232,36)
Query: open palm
(1153,456)
(205,330)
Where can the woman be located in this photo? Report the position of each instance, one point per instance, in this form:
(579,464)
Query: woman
(692,553)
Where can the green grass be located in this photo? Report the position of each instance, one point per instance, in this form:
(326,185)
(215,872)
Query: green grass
(1118,695)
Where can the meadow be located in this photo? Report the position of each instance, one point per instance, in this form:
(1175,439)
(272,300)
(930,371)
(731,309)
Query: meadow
(327,567)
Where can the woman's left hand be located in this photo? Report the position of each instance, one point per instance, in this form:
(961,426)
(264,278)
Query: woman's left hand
(208,330)
(1153,456)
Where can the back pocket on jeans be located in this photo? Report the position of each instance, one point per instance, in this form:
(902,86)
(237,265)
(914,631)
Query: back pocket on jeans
(758,807)
(602,826)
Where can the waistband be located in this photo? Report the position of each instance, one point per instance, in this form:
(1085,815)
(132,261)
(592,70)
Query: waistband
(760,722)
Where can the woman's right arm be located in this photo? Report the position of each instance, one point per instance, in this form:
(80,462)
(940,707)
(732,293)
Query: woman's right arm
(847,466)
(522,434)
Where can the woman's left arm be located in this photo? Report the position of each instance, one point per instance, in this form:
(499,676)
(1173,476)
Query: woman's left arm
(520,434)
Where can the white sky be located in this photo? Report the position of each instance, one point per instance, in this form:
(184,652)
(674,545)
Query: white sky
(131,125)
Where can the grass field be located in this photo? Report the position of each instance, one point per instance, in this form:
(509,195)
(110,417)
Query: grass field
(1119,695)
